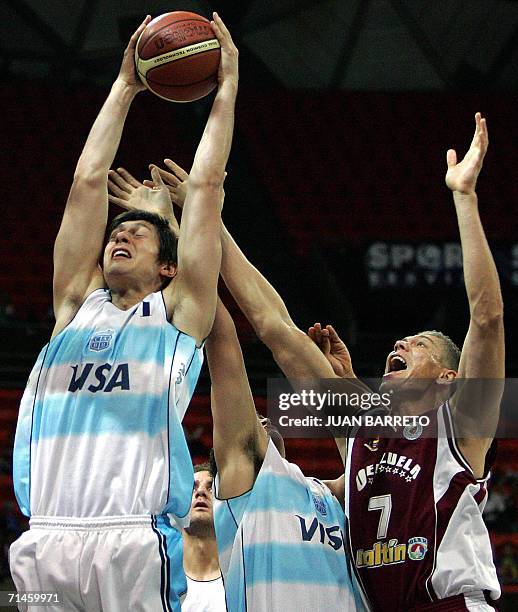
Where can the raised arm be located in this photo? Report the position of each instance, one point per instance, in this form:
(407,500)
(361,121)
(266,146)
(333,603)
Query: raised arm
(295,353)
(239,439)
(80,237)
(191,298)
(483,351)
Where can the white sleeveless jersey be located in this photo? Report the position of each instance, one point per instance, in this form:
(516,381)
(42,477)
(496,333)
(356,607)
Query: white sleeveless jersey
(99,430)
(281,545)
(205,596)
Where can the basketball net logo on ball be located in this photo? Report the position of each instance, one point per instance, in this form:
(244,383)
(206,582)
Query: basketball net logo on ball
(177,57)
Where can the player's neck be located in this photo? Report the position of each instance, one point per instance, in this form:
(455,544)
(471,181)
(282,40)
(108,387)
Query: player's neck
(126,299)
(415,407)
(200,557)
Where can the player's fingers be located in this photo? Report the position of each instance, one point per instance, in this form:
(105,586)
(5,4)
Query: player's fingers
(118,201)
(116,190)
(119,180)
(139,30)
(326,346)
(484,133)
(129,178)
(451,158)
(332,331)
(157,179)
(221,31)
(178,170)
(168,177)
(148,183)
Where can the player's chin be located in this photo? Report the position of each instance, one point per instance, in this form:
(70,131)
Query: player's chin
(391,380)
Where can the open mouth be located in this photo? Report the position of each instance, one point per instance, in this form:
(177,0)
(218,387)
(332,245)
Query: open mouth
(396,364)
(118,253)
(201,504)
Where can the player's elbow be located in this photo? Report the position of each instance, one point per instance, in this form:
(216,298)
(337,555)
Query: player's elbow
(208,180)
(90,175)
(489,315)
(271,330)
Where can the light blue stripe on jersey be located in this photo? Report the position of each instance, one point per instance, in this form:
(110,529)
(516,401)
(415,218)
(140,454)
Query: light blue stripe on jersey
(22,441)
(144,344)
(174,582)
(293,563)
(181,472)
(99,413)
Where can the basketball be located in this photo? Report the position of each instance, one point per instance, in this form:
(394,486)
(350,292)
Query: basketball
(177,56)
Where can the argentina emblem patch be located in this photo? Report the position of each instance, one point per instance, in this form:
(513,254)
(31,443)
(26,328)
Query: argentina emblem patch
(101,340)
(320,505)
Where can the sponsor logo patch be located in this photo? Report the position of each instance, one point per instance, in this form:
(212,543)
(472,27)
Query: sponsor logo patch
(417,548)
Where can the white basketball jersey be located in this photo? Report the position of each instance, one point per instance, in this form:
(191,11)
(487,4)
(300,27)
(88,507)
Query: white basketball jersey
(281,545)
(99,430)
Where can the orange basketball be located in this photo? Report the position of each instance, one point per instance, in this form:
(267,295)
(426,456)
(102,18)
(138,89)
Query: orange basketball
(177,56)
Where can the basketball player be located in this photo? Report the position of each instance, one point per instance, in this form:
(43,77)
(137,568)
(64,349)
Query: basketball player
(100,459)
(280,534)
(414,503)
(205,590)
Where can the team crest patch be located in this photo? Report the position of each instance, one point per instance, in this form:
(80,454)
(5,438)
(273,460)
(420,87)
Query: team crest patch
(417,548)
(102,340)
(320,505)
(413,432)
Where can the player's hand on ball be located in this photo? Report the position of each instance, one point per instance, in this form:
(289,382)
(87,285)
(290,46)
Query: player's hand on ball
(228,66)
(333,348)
(152,196)
(462,176)
(128,74)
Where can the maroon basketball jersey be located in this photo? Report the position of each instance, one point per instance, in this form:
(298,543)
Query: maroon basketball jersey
(414,509)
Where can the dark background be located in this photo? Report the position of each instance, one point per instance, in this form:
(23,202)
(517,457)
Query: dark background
(336,178)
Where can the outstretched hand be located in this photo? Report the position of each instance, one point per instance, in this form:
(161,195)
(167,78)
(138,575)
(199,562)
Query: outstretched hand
(128,73)
(176,181)
(462,176)
(333,348)
(228,65)
(125,191)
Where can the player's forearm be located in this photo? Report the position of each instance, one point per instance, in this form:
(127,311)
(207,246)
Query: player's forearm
(480,274)
(104,137)
(256,297)
(212,154)
(201,216)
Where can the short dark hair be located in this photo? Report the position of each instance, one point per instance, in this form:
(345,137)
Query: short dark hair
(202,467)
(167,241)
(450,357)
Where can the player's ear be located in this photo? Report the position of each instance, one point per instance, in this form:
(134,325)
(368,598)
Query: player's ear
(168,270)
(446,377)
